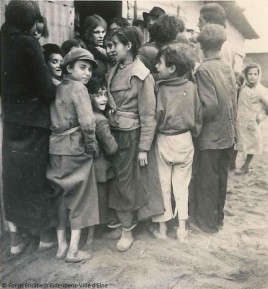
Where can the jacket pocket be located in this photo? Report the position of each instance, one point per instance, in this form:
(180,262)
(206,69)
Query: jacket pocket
(125,123)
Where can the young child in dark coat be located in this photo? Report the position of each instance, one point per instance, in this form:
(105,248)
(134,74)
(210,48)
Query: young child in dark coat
(107,147)
(217,90)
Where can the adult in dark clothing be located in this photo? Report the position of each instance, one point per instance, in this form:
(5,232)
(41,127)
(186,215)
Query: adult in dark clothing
(27,90)
(163,31)
(93,31)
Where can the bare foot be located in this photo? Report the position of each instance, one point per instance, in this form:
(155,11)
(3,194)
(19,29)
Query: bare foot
(62,251)
(182,235)
(78,256)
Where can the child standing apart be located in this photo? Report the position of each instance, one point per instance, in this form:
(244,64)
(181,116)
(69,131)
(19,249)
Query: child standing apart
(250,113)
(53,60)
(217,91)
(107,147)
(179,117)
(72,145)
(132,101)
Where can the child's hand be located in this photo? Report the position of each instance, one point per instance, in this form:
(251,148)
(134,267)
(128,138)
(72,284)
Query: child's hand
(92,149)
(143,158)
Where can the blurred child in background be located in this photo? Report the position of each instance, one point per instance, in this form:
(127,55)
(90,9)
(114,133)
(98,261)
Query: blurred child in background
(251,111)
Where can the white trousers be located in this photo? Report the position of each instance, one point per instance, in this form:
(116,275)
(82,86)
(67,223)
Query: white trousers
(174,159)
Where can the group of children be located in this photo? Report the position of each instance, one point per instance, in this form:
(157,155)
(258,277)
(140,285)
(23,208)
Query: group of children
(121,147)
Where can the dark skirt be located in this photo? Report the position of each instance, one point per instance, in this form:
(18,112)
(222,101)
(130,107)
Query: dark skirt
(134,188)
(27,195)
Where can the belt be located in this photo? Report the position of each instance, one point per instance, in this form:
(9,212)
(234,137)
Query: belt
(174,133)
(66,132)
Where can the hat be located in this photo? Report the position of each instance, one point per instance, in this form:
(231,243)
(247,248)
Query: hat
(79,54)
(155,12)
(22,14)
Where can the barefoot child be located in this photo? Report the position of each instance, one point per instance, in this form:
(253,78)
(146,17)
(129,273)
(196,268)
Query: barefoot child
(72,145)
(179,118)
(130,88)
(249,115)
(217,92)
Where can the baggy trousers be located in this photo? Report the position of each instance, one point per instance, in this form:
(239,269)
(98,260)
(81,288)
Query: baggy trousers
(174,155)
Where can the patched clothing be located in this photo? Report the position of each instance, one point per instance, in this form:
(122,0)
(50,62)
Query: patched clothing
(72,119)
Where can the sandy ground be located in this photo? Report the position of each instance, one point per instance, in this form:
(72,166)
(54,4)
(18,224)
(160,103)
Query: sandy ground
(235,258)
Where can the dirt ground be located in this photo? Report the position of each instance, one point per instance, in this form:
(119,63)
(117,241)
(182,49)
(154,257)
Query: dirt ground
(234,258)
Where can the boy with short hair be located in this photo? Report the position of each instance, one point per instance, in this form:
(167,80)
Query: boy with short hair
(53,58)
(72,146)
(179,118)
(217,90)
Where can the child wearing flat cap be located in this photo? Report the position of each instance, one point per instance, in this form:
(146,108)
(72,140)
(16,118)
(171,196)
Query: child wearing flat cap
(72,146)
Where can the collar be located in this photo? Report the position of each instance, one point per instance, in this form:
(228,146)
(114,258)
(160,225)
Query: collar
(212,58)
(172,82)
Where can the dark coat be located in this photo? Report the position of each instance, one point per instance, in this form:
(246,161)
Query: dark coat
(107,146)
(217,92)
(27,87)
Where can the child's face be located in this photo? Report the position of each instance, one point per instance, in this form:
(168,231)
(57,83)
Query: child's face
(163,71)
(201,23)
(54,64)
(100,99)
(113,27)
(110,49)
(97,36)
(37,30)
(253,75)
(120,49)
(81,71)
(151,20)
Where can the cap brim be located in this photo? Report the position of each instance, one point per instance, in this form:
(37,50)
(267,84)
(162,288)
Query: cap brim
(92,61)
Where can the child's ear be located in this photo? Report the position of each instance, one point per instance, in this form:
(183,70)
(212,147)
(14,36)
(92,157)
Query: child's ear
(129,46)
(172,68)
(69,68)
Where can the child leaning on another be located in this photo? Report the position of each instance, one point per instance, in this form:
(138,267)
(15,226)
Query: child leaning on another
(251,111)
(179,117)
(107,147)
(40,29)
(72,146)
(217,90)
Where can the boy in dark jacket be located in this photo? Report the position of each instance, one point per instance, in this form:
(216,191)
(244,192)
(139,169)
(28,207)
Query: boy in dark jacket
(179,118)
(217,91)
